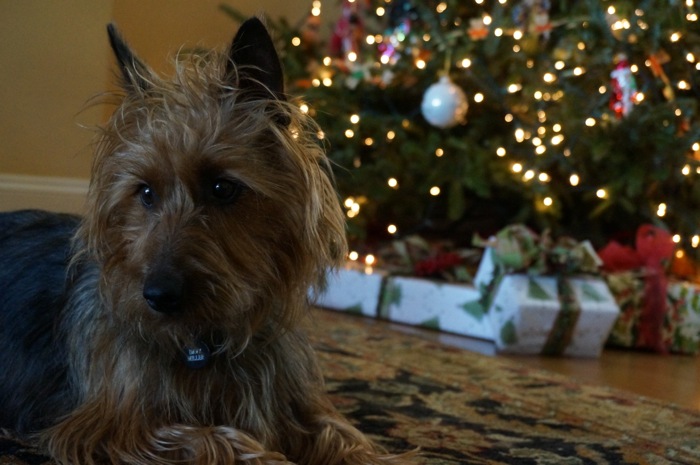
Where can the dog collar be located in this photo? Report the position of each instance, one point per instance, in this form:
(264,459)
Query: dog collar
(197,356)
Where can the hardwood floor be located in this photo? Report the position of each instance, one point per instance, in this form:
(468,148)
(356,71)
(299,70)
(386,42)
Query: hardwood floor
(669,378)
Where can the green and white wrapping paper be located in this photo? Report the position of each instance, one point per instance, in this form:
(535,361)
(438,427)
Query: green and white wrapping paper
(551,315)
(454,308)
(352,290)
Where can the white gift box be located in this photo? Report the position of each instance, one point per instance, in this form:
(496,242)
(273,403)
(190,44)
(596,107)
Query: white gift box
(454,308)
(352,290)
(527,315)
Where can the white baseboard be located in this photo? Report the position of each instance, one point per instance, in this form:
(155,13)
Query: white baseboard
(42,192)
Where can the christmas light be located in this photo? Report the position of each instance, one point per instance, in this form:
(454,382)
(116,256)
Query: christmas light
(676,238)
(435,191)
(393,183)
(349,133)
(661,210)
(439,152)
(574,179)
(590,122)
(370,259)
(296,41)
(392,229)
(390,135)
(675,37)
(501,152)
(355,118)
(466,63)
(517,35)
(353,256)
(478,97)
(547,201)
(441,7)
(304,108)
(516,167)
(601,193)
(686,170)
(695,241)
(529,174)
(380,11)
(543,177)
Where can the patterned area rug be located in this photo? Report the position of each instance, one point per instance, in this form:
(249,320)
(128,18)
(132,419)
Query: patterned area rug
(464,408)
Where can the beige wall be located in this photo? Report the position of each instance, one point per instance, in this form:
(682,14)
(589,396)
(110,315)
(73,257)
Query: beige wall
(50,64)
(54,56)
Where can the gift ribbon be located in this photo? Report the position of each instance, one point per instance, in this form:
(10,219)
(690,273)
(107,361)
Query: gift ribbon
(653,247)
(562,332)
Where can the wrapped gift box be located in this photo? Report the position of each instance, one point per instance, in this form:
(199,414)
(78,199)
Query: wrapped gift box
(454,308)
(533,315)
(353,290)
(681,325)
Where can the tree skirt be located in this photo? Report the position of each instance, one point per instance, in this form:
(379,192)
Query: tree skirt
(464,408)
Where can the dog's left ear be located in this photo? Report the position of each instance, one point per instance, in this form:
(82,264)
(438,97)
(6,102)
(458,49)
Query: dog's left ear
(135,74)
(254,65)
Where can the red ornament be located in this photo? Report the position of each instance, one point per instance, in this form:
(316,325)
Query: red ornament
(624,88)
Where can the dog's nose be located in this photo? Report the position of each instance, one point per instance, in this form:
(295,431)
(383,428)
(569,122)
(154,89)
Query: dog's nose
(163,292)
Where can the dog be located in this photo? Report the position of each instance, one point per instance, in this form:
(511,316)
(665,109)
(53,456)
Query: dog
(163,327)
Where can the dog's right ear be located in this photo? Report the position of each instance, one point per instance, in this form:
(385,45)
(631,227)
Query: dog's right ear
(134,72)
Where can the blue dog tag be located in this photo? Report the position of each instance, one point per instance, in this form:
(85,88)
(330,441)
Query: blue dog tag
(197,357)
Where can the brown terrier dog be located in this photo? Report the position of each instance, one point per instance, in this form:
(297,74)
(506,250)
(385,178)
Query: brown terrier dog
(162,327)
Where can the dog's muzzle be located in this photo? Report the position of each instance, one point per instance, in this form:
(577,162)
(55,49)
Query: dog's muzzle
(164,291)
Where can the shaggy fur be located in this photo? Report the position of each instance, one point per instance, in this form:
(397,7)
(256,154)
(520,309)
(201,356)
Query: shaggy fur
(211,212)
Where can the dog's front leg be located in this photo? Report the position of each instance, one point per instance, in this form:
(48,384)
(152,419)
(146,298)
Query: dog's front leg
(91,435)
(337,442)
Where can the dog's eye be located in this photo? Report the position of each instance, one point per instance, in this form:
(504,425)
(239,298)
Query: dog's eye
(226,191)
(147,196)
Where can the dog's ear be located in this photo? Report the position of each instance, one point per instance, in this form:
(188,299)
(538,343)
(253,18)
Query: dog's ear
(134,72)
(254,65)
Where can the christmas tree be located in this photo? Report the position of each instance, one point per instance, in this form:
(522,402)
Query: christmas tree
(448,118)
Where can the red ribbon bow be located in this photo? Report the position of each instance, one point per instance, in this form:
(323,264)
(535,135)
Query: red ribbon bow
(653,247)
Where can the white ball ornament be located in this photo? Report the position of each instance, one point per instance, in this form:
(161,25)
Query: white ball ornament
(444,104)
